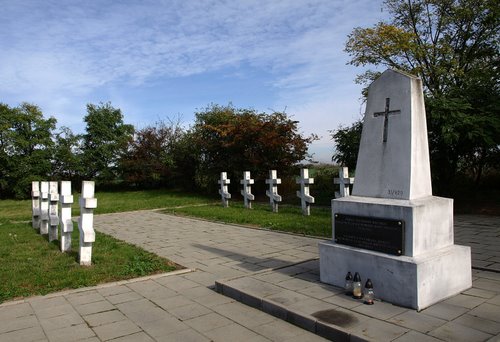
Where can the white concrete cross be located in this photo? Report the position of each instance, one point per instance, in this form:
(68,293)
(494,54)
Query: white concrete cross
(247,182)
(35,204)
(344,180)
(53,211)
(44,208)
(66,200)
(303,194)
(272,193)
(223,191)
(86,222)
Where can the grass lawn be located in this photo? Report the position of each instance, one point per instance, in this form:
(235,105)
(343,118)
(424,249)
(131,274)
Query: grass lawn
(288,219)
(30,265)
(112,202)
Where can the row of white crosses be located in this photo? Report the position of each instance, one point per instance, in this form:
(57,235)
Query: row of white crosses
(47,217)
(272,193)
(305,198)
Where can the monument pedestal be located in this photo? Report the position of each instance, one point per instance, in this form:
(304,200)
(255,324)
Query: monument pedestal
(430,267)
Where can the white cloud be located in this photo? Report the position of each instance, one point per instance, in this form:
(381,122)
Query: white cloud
(59,54)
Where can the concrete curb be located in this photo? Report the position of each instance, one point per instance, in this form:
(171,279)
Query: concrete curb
(99,286)
(304,321)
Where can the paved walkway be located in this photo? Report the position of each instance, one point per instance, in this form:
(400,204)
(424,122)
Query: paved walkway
(185,307)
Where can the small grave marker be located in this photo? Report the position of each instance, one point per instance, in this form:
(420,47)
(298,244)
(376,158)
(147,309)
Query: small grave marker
(86,222)
(223,191)
(35,204)
(44,208)
(344,180)
(247,182)
(303,194)
(65,216)
(53,214)
(272,193)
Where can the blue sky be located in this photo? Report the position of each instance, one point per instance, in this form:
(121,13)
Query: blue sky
(166,59)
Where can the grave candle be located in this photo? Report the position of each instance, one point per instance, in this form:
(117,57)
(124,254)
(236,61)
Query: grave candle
(356,286)
(369,294)
(348,284)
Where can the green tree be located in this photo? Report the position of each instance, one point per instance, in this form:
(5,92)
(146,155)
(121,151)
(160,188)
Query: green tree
(347,141)
(26,148)
(452,45)
(105,141)
(150,161)
(236,140)
(67,164)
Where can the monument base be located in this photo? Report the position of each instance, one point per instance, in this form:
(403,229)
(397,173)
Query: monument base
(413,282)
(430,267)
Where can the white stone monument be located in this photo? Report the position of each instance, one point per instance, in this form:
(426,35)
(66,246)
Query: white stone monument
(247,182)
(86,222)
(392,230)
(66,200)
(344,181)
(305,198)
(272,193)
(223,191)
(53,211)
(35,204)
(44,208)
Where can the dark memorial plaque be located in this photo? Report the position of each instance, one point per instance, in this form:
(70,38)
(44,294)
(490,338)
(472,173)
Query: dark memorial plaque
(376,234)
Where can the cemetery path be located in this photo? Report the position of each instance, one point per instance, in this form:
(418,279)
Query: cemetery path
(257,265)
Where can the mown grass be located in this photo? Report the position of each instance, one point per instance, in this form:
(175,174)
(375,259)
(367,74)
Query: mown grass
(30,265)
(288,219)
(112,202)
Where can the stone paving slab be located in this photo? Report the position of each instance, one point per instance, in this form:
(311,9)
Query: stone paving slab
(460,318)
(184,306)
(166,307)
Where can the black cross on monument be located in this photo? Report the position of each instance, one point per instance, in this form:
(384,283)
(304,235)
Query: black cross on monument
(386,114)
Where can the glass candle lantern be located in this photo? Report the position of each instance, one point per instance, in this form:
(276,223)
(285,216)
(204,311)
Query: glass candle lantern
(369,294)
(348,284)
(357,291)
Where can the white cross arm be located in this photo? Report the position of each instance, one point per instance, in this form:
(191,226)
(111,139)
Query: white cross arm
(66,199)
(275,197)
(54,197)
(35,194)
(88,234)
(88,203)
(67,225)
(304,181)
(348,180)
(273,181)
(249,196)
(54,220)
(307,198)
(225,194)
